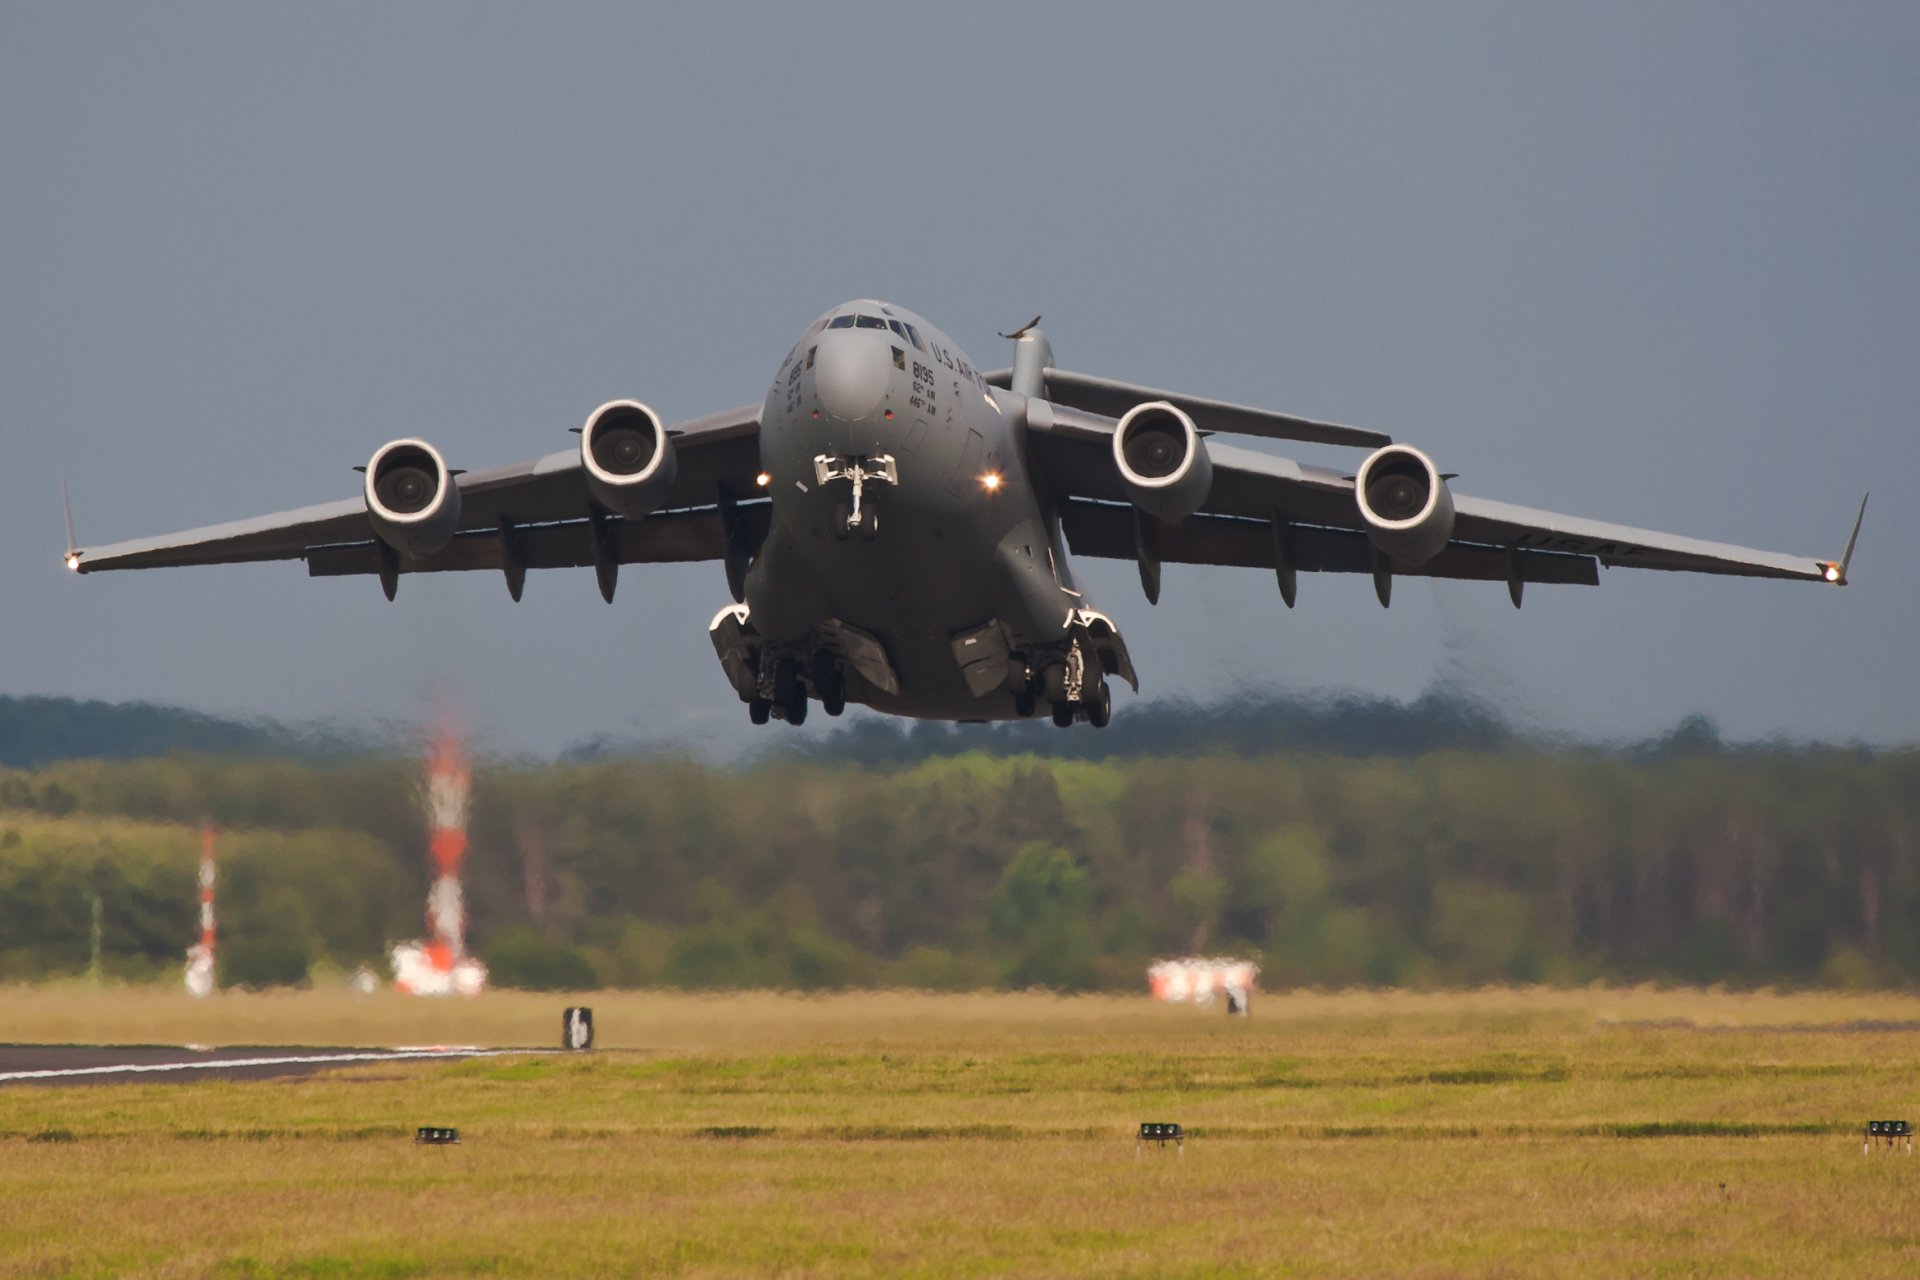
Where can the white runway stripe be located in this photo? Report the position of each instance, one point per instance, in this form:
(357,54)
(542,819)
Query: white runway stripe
(217,1064)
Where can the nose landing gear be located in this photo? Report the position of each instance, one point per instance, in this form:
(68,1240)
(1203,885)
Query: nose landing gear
(859,472)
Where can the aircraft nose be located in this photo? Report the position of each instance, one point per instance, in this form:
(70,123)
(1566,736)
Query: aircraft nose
(850,373)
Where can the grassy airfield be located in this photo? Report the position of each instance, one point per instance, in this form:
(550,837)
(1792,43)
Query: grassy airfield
(1558,1133)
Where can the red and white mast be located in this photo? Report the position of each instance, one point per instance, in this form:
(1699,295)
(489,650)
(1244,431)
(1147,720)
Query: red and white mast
(200,955)
(440,965)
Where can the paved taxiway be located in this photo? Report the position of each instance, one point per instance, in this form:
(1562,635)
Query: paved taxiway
(122,1064)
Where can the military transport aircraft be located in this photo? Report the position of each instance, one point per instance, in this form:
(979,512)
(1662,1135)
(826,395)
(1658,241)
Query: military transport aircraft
(894,523)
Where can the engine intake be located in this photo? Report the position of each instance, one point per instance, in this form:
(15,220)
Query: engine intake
(628,458)
(411,497)
(1162,461)
(1405,502)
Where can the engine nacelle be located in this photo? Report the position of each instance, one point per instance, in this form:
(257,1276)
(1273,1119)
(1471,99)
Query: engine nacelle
(411,497)
(1405,502)
(1162,461)
(628,458)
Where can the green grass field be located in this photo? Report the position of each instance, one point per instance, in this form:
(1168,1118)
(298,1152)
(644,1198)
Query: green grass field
(1506,1133)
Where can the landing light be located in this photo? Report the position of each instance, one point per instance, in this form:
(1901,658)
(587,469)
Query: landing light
(764,479)
(991,482)
(73,561)
(1832,573)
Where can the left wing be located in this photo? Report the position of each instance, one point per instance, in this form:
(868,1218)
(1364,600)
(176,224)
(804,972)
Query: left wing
(531,515)
(1268,512)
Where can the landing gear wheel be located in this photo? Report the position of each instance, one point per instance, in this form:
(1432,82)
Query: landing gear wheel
(869,522)
(789,695)
(829,684)
(841,514)
(1024,703)
(1063,715)
(1100,706)
(1053,683)
(759,710)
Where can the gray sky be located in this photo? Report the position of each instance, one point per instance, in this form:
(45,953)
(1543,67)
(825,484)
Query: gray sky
(1658,264)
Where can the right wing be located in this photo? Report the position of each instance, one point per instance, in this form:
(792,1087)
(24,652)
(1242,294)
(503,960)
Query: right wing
(531,515)
(1269,512)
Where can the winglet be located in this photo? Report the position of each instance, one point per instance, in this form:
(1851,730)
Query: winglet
(1836,571)
(73,552)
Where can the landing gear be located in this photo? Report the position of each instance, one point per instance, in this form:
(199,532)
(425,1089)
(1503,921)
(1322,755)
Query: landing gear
(789,695)
(1073,688)
(1100,706)
(829,684)
(759,710)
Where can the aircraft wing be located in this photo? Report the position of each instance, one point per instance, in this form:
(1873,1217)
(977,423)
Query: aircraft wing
(1274,513)
(1112,398)
(531,515)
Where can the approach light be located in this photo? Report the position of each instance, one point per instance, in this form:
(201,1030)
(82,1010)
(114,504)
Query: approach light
(764,479)
(991,481)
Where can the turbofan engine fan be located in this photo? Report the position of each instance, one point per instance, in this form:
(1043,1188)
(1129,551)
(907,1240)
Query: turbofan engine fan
(1405,502)
(1162,461)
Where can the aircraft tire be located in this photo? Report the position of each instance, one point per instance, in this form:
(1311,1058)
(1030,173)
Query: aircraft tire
(1063,715)
(1024,702)
(829,684)
(842,512)
(1100,706)
(759,710)
(797,709)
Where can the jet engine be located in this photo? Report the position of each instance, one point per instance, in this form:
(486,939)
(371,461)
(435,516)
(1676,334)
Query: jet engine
(1162,460)
(411,497)
(1405,502)
(628,458)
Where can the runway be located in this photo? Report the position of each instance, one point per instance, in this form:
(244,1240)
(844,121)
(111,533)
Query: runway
(122,1064)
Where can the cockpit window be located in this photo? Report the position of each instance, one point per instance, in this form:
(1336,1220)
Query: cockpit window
(840,322)
(870,322)
(913,336)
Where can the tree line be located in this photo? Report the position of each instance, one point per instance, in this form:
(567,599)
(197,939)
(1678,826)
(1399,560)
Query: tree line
(1505,863)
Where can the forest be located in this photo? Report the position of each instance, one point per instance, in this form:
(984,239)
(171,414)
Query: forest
(939,859)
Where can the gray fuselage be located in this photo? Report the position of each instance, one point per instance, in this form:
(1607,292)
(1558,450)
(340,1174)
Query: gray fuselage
(962,536)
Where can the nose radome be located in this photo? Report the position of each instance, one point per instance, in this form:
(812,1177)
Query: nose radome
(850,371)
